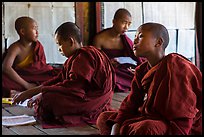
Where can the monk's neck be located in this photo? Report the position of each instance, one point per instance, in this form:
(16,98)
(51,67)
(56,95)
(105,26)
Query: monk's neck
(114,34)
(25,43)
(78,45)
(154,60)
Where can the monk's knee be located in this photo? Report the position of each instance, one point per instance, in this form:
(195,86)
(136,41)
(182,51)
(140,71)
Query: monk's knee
(104,129)
(147,127)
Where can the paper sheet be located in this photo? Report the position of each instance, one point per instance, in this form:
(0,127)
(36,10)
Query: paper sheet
(24,104)
(17,120)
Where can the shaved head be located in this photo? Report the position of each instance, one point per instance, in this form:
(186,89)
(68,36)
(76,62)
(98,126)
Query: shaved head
(22,22)
(120,12)
(158,30)
(69,29)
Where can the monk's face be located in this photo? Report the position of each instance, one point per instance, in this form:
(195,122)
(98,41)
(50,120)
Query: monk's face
(30,31)
(121,25)
(144,43)
(64,46)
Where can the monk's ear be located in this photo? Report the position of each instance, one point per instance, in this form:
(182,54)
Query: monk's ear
(22,31)
(160,42)
(71,40)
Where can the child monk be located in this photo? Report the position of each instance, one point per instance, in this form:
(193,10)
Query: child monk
(24,64)
(118,46)
(81,91)
(166,92)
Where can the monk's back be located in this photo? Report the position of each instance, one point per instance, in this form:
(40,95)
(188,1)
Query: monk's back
(103,74)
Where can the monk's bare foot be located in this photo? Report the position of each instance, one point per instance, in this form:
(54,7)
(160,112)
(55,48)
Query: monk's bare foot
(13,93)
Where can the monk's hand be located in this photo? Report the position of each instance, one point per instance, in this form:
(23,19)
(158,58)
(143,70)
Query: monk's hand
(33,101)
(131,70)
(13,93)
(115,129)
(22,96)
(19,98)
(114,62)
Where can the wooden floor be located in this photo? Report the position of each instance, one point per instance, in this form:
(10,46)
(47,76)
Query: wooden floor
(36,129)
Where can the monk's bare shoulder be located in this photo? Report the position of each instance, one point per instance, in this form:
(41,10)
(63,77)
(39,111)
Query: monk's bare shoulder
(13,51)
(14,47)
(100,38)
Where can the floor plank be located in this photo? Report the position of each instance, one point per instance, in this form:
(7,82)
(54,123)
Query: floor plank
(120,96)
(19,110)
(79,130)
(7,131)
(5,112)
(115,104)
(36,129)
(26,130)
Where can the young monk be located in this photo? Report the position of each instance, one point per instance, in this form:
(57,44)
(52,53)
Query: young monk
(24,64)
(81,91)
(166,92)
(115,43)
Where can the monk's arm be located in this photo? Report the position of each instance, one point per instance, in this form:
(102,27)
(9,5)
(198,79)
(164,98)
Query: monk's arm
(22,96)
(182,96)
(54,80)
(8,69)
(78,79)
(129,106)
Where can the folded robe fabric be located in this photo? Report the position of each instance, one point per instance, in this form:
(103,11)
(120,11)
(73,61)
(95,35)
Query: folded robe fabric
(80,92)
(36,72)
(123,75)
(173,90)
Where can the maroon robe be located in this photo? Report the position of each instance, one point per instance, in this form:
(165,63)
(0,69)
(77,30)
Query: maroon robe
(80,92)
(173,104)
(36,72)
(123,76)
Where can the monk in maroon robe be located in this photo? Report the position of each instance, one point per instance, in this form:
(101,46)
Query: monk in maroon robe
(36,72)
(81,91)
(166,92)
(24,62)
(117,45)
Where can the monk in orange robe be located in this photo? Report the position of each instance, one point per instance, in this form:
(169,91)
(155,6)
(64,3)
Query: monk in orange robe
(118,47)
(166,92)
(24,63)
(81,91)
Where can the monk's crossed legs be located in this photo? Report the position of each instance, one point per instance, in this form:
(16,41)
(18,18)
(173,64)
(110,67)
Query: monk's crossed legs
(145,127)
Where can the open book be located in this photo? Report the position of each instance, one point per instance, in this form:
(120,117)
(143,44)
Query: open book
(17,120)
